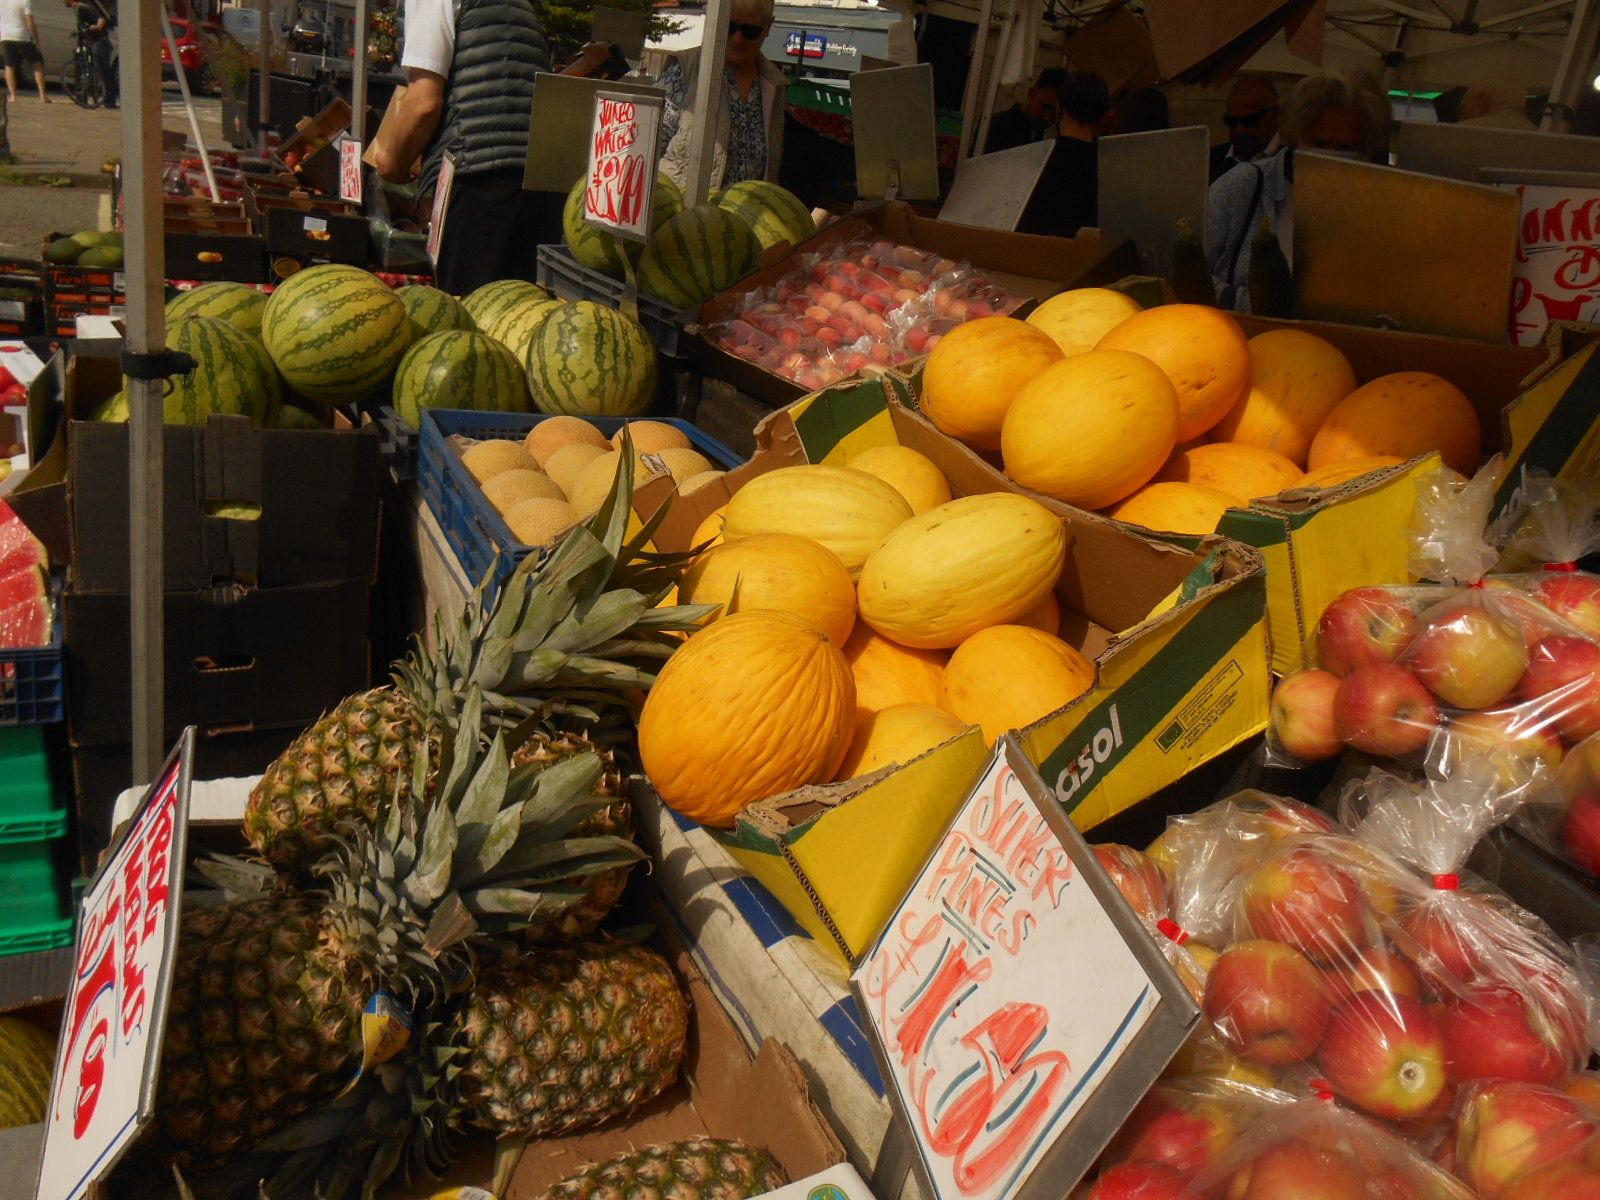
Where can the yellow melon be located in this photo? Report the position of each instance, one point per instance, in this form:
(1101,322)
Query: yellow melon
(1296,380)
(897,734)
(758,704)
(682,464)
(908,472)
(510,488)
(1175,508)
(553,433)
(485,460)
(694,483)
(593,484)
(977,561)
(848,511)
(709,529)
(1080,318)
(567,463)
(976,371)
(1202,350)
(1338,473)
(1404,415)
(1008,676)
(539,521)
(775,571)
(1243,472)
(1045,615)
(1092,429)
(888,673)
(651,437)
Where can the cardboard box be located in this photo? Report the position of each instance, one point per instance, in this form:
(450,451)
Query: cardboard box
(1179,639)
(206,249)
(309,228)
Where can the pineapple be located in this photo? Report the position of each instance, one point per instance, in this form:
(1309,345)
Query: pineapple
(701,1168)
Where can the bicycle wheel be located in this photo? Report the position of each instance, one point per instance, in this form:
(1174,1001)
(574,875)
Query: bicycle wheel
(82,80)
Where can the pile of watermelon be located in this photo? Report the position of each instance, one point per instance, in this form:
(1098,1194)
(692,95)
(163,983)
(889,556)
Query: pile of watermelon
(25,617)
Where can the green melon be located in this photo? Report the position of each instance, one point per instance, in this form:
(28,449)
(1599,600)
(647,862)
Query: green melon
(62,251)
(591,361)
(597,249)
(27,1063)
(232,376)
(514,327)
(432,311)
(238,304)
(335,332)
(101,256)
(114,410)
(492,300)
(774,214)
(458,369)
(696,254)
(290,417)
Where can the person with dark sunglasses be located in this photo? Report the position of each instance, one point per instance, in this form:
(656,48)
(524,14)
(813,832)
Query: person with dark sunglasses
(1251,117)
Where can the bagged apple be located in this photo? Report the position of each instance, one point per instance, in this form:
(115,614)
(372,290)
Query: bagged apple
(1185,1125)
(1504,1129)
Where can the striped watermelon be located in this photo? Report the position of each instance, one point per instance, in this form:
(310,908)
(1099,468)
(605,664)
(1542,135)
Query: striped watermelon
(696,254)
(458,369)
(291,417)
(235,303)
(597,249)
(232,375)
(335,332)
(591,361)
(776,215)
(514,327)
(492,300)
(432,311)
(27,1062)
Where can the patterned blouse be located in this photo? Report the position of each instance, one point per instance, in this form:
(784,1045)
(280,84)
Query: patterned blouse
(747,126)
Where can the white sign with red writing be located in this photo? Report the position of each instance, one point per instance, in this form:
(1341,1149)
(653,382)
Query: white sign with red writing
(622,164)
(350,169)
(1011,985)
(1558,260)
(441,207)
(116,1009)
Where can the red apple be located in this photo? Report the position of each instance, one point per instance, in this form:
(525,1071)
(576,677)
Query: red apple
(1186,1133)
(1563,675)
(1580,831)
(1384,1054)
(1302,899)
(1375,969)
(1565,1179)
(1585,1089)
(1431,937)
(1297,1170)
(1280,817)
(1383,709)
(1138,1181)
(1519,743)
(1302,715)
(1267,1002)
(1138,877)
(1363,626)
(1468,656)
(1506,1128)
(1574,597)
(1492,1032)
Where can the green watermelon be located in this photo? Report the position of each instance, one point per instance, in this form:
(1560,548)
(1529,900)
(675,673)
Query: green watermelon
(432,311)
(238,304)
(695,254)
(515,326)
(335,332)
(597,249)
(493,299)
(114,410)
(458,369)
(591,361)
(232,375)
(776,215)
(290,417)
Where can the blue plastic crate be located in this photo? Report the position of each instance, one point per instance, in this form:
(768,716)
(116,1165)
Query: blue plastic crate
(472,527)
(568,279)
(396,444)
(32,688)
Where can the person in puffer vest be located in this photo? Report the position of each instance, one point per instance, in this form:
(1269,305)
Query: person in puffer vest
(470,67)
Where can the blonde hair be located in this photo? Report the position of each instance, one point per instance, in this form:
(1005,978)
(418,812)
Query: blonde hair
(751,11)
(1338,89)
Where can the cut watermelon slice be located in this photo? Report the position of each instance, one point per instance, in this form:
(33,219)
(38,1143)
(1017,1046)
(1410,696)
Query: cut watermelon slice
(24,609)
(18,547)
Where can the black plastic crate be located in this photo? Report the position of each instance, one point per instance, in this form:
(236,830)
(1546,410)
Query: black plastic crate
(568,279)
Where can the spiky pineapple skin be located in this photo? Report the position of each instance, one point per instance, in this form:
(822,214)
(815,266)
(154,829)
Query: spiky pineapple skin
(568,1037)
(339,770)
(697,1169)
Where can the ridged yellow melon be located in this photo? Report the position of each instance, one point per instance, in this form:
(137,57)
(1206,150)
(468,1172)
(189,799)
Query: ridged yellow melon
(977,561)
(651,437)
(710,529)
(887,673)
(775,571)
(897,734)
(553,433)
(566,464)
(908,472)
(1296,380)
(1338,473)
(1243,472)
(758,704)
(976,371)
(1080,318)
(1092,429)
(1008,676)
(1045,615)
(1202,350)
(1190,508)
(1405,414)
(848,511)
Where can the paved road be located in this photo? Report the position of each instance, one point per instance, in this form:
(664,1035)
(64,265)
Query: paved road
(62,139)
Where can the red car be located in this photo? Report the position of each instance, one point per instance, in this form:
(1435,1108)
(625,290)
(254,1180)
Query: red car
(191,51)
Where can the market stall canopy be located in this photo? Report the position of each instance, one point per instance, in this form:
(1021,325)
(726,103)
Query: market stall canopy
(1203,41)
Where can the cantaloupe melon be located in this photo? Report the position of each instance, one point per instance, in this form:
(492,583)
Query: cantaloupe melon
(1008,676)
(1404,414)
(1203,352)
(977,370)
(510,488)
(538,522)
(1296,380)
(650,437)
(567,463)
(552,433)
(485,460)
(683,464)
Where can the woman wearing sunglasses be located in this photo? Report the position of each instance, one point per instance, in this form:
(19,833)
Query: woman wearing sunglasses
(747,142)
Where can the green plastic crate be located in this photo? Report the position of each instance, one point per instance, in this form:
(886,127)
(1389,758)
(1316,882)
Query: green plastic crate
(29,810)
(33,910)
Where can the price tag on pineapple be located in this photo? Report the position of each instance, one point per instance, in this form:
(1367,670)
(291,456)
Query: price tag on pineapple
(621,178)
(1018,1007)
(103,1093)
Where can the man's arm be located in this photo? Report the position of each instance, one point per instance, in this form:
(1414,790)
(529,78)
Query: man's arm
(416,122)
(33,26)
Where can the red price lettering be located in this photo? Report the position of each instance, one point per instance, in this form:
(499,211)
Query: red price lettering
(91,1077)
(96,974)
(158,857)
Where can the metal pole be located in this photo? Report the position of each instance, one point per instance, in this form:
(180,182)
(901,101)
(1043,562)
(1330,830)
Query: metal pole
(146,326)
(358,76)
(188,105)
(708,99)
(1013,19)
(1576,57)
(264,67)
(969,98)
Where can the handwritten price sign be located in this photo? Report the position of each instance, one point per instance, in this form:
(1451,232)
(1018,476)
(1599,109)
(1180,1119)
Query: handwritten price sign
(620,192)
(1558,260)
(1014,997)
(116,1009)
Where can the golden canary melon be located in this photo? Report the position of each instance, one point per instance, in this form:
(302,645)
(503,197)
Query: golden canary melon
(710,529)
(1175,508)
(1092,429)
(977,561)
(846,510)
(1045,615)
(1202,350)
(1008,676)
(554,433)
(1296,380)
(897,734)
(887,673)
(1335,474)
(756,705)
(907,471)
(775,571)
(1080,318)
(976,371)
(1237,470)
(1404,414)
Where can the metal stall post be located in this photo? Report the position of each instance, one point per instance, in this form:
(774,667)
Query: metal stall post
(358,76)
(708,99)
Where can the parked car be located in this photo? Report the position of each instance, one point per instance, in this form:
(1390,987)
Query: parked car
(192,38)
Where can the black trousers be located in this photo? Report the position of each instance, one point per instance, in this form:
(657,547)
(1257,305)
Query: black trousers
(493,230)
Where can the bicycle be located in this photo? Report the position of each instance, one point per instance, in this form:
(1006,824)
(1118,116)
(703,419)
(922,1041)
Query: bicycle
(83,79)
